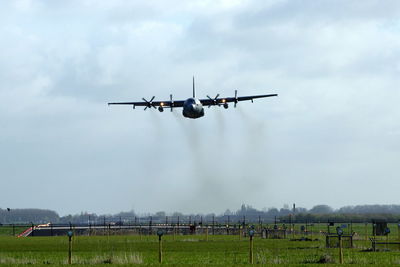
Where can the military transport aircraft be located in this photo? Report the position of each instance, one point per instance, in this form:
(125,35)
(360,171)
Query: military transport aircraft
(192,107)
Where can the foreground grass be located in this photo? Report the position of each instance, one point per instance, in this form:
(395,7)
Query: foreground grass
(181,250)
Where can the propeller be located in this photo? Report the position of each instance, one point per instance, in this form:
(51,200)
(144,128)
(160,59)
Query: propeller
(172,102)
(215,102)
(149,104)
(236,99)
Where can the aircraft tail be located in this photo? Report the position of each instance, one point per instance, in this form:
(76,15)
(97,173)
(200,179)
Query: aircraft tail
(194,91)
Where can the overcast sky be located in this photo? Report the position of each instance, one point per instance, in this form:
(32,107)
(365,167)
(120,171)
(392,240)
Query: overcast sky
(331,137)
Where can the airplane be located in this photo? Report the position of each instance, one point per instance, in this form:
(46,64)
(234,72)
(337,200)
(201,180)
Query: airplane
(193,107)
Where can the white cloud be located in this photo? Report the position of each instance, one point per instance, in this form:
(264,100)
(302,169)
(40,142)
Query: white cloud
(334,65)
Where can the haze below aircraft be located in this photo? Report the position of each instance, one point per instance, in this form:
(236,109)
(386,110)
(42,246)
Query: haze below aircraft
(193,107)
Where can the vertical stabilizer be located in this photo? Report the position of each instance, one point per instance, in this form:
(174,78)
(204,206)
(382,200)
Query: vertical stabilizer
(194,92)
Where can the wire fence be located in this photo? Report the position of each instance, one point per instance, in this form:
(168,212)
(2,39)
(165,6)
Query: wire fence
(188,225)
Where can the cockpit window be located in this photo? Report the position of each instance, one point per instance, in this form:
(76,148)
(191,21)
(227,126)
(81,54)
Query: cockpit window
(192,101)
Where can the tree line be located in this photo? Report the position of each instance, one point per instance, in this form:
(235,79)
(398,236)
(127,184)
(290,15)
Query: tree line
(245,214)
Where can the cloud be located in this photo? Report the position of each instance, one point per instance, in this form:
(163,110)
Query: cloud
(334,65)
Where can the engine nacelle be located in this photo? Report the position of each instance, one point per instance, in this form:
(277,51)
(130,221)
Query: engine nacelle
(226,105)
(160,108)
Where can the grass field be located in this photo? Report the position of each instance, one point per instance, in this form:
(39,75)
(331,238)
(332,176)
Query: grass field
(116,250)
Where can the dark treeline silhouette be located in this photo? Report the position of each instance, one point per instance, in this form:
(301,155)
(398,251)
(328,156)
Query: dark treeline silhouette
(246,213)
(27,216)
(359,213)
(341,217)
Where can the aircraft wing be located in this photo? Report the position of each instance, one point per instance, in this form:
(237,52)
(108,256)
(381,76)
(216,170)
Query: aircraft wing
(222,100)
(151,103)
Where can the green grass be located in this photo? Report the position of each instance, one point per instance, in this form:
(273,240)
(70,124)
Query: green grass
(118,250)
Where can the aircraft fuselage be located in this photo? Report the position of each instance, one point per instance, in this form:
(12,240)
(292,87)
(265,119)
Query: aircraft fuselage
(192,108)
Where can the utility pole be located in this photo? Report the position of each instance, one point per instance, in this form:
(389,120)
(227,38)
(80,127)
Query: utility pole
(213,225)
(150,224)
(251,258)
(227,228)
(240,231)
(160,234)
(339,232)
(207,232)
(70,234)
